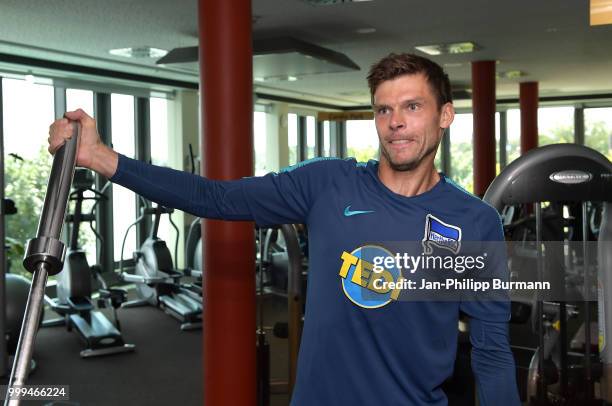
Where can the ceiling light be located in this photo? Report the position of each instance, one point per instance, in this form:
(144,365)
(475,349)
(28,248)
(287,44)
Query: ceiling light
(276,78)
(330,2)
(365,30)
(139,52)
(451,48)
(511,74)
(514,74)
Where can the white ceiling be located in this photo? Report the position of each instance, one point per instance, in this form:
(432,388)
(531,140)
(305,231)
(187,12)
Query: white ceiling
(550,40)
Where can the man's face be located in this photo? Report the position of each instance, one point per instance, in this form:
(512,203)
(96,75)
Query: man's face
(408,121)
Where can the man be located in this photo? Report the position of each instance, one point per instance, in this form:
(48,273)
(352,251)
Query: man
(358,347)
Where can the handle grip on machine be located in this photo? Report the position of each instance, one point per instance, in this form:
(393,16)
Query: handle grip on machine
(192,272)
(152,210)
(127,277)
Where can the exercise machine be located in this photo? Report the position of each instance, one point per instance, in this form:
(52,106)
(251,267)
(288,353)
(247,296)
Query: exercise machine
(193,248)
(193,259)
(561,176)
(282,273)
(263,345)
(14,299)
(75,283)
(158,283)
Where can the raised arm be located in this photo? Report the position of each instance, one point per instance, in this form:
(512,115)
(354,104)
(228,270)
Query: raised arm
(272,199)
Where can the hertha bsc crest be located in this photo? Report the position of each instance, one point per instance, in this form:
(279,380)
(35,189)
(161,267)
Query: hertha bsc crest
(440,234)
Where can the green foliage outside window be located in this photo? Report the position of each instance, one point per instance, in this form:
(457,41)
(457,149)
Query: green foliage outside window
(462,162)
(26,184)
(597,136)
(363,154)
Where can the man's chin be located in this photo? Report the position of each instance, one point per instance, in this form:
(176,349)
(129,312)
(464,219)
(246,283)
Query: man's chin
(403,166)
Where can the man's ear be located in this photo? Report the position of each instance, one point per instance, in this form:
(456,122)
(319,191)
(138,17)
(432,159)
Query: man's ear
(447,115)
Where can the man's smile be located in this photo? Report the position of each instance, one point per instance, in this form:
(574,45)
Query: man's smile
(401,143)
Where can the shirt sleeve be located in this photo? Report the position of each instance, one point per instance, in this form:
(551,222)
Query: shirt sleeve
(276,198)
(492,360)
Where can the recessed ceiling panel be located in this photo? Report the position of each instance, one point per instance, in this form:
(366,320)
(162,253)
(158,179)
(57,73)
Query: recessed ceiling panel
(283,58)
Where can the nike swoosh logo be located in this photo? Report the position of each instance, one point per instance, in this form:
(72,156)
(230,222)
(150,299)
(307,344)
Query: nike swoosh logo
(348,212)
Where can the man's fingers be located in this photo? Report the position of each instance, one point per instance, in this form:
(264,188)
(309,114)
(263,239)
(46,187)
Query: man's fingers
(62,129)
(79,115)
(54,146)
(75,115)
(59,132)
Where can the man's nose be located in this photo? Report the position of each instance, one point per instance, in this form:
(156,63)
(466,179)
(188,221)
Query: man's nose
(396,121)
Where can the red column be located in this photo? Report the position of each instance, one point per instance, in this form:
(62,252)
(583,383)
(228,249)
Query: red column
(226,89)
(483,108)
(528,98)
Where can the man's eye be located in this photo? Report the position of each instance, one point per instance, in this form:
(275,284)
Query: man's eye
(413,106)
(382,110)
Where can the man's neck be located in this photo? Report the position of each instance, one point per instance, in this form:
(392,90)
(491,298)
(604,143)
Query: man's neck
(408,183)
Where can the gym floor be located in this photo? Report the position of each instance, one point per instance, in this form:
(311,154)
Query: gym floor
(165,368)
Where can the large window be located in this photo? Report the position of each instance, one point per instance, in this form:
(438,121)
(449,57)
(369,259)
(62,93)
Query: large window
(159,131)
(160,155)
(461,151)
(311,150)
(361,140)
(555,125)
(28,110)
(438,159)
(124,200)
(292,129)
(260,140)
(513,130)
(497,138)
(80,99)
(326,149)
(598,130)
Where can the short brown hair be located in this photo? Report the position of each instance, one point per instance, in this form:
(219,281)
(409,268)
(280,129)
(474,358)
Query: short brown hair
(395,65)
